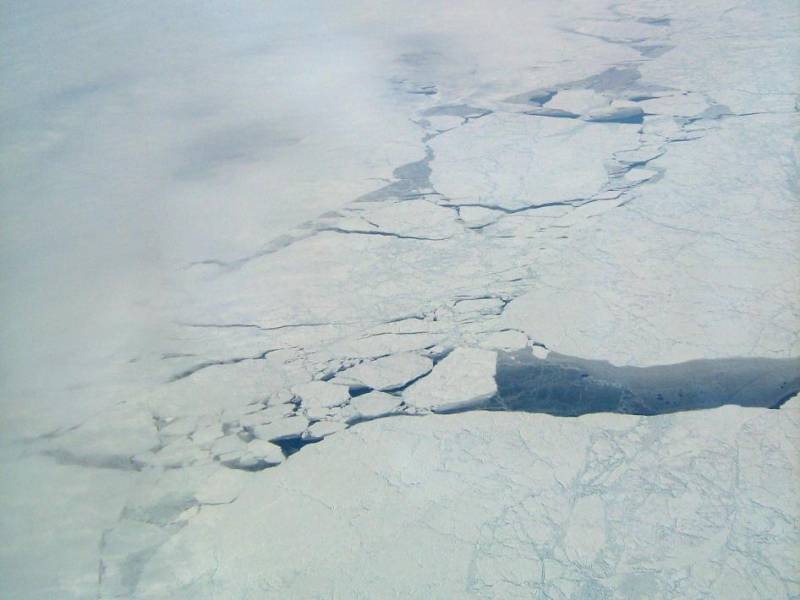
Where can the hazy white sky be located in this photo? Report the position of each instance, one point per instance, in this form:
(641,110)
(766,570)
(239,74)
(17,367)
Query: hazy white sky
(140,136)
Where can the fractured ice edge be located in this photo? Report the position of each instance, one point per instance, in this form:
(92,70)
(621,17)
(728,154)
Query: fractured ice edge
(479,379)
(593,245)
(486,505)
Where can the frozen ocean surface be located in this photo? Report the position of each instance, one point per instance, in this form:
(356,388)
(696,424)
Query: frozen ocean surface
(288,286)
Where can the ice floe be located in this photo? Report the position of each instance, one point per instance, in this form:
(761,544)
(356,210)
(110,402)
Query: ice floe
(387,373)
(566,205)
(464,378)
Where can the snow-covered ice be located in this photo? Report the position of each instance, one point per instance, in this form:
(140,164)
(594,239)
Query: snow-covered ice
(290,427)
(389,372)
(374,405)
(250,252)
(463,379)
(508,505)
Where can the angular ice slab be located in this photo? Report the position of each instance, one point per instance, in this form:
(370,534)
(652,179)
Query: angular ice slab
(290,234)
(617,112)
(387,373)
(374,405)
(522,160)
(463,379)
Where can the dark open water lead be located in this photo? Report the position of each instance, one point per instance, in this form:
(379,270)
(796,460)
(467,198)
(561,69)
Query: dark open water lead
(567,386)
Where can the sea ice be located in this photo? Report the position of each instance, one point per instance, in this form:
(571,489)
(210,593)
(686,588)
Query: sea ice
(374,405)
(464,378)
(288,428)
(389,372)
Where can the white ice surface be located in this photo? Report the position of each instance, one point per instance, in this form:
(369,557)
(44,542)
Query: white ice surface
(227,216)
(520,160)
(464,378)
(507,505)
(375,404)
(389,372)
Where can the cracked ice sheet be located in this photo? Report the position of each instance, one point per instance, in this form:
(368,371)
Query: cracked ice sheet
(759,43)
(109,220)
(492,505)
(513,161)
(327,301)
(701,265)
(69,507)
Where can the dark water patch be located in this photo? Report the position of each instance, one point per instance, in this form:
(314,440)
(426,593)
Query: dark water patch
(541,96)
(428,90)
(657,21)
(411,179)
(624,117)
(357,390)
(641,97)
(215,363)
(615,82)
(293,445)
(568,386)
(552,112)
(653,51)
(610,80)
